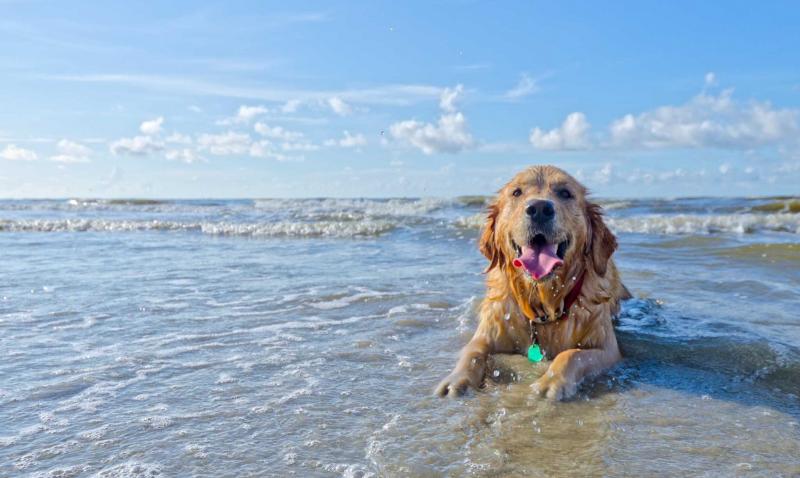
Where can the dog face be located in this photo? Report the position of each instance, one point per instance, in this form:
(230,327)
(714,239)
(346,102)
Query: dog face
(541,225)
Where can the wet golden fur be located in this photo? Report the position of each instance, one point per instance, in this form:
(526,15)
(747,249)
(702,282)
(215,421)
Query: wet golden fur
(580,345)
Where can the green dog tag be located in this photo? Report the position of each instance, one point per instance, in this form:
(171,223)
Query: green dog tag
(535,353)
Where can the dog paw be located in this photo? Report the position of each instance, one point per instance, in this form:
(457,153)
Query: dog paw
(554,387)
(455,385)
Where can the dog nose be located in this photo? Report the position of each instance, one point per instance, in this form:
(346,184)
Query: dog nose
(541,210)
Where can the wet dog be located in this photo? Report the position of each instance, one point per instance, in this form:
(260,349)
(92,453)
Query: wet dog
(551,284)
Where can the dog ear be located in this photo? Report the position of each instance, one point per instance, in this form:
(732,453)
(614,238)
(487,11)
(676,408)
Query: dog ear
(601,243)
(486,243)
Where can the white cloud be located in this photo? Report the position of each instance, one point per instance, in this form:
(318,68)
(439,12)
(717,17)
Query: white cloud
(299,146)
(178,138)
(71,152)
(572,134)
(348,140)
(276,132)
(137,146)
(290,106)
(185,155)
(449,98)
(710,79)
(247,113)
(604,174)
(339,106)
(448,135)
(266,149)
(224,144)
(244,115)
(151,127)
(709,121)
(14,153)
(526,86)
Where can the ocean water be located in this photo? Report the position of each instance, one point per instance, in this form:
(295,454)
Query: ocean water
(304,338)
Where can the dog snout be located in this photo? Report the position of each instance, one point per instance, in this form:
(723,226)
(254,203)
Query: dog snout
(540,211)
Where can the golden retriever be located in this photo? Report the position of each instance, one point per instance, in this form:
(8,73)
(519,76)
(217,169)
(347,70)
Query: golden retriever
(550,281)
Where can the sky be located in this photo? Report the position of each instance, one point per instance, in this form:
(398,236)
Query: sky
(193,99)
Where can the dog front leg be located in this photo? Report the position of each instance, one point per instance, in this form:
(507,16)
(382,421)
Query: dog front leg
(570,367)
(469,369)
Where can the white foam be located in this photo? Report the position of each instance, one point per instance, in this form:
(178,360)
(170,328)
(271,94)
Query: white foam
(156,422)
(195,450)
(130,469)
(60,472)
(343,229)
(474,221)
(706,224)
(95,433)
(345,301)
(683,223)
(355,208)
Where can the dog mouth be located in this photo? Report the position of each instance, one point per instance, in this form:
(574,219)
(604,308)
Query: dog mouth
(539,257)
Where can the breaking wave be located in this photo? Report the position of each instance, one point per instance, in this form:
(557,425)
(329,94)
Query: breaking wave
(706,224)
(682,224)
(278,229)
(360,217)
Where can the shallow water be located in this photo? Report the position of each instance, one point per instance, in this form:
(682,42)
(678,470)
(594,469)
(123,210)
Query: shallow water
(304,337)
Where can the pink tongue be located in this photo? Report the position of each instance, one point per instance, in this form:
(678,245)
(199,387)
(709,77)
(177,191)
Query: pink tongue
(538,260)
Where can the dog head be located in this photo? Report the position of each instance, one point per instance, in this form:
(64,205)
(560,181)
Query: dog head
(542,226)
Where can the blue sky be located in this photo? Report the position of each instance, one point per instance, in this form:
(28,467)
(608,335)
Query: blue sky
(283,99)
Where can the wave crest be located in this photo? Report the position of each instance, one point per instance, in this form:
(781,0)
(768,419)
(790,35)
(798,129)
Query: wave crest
(277,229)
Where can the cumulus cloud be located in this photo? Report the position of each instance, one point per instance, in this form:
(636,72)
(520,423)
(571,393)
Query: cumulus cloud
(348,140)
(151,127)
(244,115)
(71,152)
(141,145)
(185,155)
(178,138)
(224,144)
(604,174)
(290,106)
(14,153)
(448,135)
(136,146)
(299,146)
(571,135)
(524,87)
(276,132)
(708,121)
(339,106)
(449,98)
(266,149)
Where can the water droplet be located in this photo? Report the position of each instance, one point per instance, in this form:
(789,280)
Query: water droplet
(507,316)
(496,373)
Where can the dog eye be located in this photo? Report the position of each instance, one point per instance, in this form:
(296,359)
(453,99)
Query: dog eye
(564,194)
(517,193)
